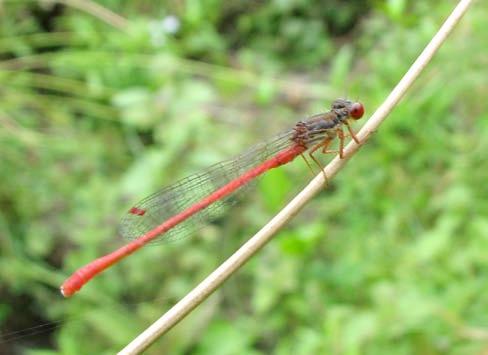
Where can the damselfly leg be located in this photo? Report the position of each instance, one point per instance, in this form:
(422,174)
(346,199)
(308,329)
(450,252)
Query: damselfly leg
(351,132)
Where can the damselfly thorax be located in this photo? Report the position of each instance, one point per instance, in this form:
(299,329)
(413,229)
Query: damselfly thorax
(319,130)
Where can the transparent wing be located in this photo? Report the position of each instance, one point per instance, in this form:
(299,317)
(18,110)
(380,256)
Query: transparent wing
(168,202)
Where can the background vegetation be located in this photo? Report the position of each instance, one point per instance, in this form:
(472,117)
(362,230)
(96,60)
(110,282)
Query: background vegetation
(103,105)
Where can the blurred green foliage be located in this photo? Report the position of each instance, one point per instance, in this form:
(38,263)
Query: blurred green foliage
(97,111)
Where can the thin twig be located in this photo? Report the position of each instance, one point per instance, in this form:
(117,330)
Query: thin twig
(253,245)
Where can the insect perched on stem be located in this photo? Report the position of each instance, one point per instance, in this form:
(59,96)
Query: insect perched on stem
(179,209)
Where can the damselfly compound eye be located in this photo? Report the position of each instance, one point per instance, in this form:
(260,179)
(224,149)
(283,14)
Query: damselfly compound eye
(357,110)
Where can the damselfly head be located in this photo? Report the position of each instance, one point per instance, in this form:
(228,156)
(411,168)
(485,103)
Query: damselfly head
(354,109)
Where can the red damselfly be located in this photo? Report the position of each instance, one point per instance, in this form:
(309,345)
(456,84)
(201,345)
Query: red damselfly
(178,210)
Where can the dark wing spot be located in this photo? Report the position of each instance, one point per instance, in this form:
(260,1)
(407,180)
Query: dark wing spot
(137,211)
